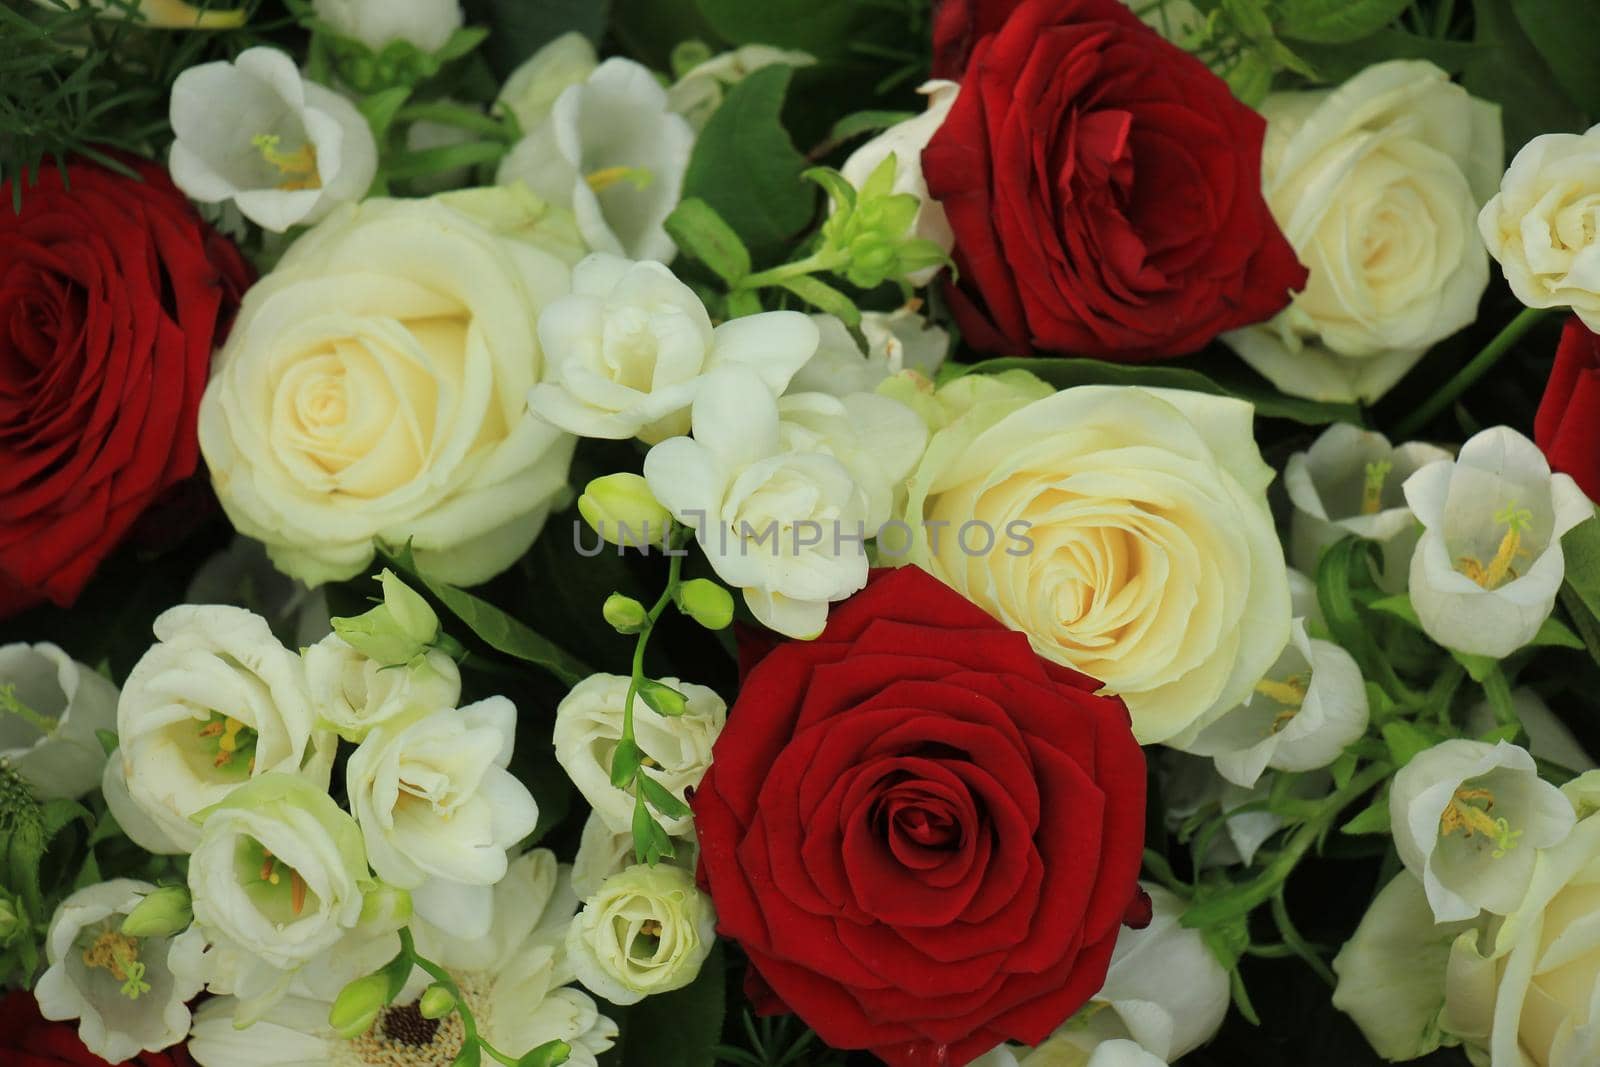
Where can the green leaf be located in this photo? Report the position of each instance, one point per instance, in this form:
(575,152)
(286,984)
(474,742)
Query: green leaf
(380,108)
(680,1028)
(520,28)
(1581,594)
(700,232)
(821,27)
(1553,633)
(860,122)
(1344,769)
(1338,63)
(1510,71)
(1374,819)
(1335,21)
(662,800)
(625,762)
(1566,33)
(824,297)
(1478,667)
(1400,607)
(747,169)
(1406,739)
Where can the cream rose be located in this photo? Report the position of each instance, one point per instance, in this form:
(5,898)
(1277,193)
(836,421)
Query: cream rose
(1125,531)
(646,931)
(373,386)
(1544,225)
(1376,185)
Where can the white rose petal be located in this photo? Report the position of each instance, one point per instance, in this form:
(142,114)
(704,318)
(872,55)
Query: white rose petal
(879,440)
(66,759)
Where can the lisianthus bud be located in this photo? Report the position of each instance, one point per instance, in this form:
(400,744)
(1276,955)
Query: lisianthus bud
(160,914)
(358,1005)
(396,631)
(625,614)
(437,1002)
(706,602)
(646,931)
(621,509)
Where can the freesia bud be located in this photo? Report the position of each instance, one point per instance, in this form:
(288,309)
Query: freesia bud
(663,699)
(161,914)
(706,602)
(396,631)
(551,1054)
(385,908)
(359,1005)
(625,614)
(622,510)
(437,1002)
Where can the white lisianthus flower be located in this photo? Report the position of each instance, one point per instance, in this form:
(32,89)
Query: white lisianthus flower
(781,526)
(1541,225)
(628,349)
(878,439)
(1376,185)
(120,988)
(285,150)
(897,341)
(352,693)
(374,385)
(1150,561)
(614,154)
(905,142)
(428,24)
(534,87)
(697,95)
(646,931)
(51,711)
(215,702)
(589,725)
(1349,482)
(1486,571)
(1468,819)
(513,981)
(438,809)
(1311,704)
(1392,972)
(1068,1050)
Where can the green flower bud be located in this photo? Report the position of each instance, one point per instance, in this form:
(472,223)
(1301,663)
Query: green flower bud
(396,631)
(437,1002)
(13,924)
(706,602)
(385,909)
(663,699)
(623,511)
(550,1054)
(358,1006)
(625,614)
(160,914)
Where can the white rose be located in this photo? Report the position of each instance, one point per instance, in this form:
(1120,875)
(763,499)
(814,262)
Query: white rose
(120,987)
(1311,704)
(534,86)
(427,24)
(784,527)
(1468,820)
(897,341)
(438,809)
(697,95)
(589,725)
(1124,530)
(646,931)
(351,693)
(1376,185)
(1541,225)
(216,702)
(374,385)
(905,141)
(627,351)
(1486,571)
(285,150)
(1348,482)
(614,154)
(878,439)
(52,710)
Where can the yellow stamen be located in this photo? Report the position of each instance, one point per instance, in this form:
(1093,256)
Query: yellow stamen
(118,953)
(1501,568)
(1372,486)
(299,166)
(1470,812)
(297,892)
(606,177)
(1291,692)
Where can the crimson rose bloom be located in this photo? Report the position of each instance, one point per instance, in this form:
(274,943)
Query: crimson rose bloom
(112,295)
(1567,427)
(28,1040)
(1104,187)
(924,835)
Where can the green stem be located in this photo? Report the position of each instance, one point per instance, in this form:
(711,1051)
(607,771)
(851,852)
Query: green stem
(1444,17)
(469,1025)
(462,118)
(674,573)
(1498,689)
(815,263)
(1468,375)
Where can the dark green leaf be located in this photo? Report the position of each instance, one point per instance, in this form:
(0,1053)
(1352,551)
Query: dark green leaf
(1406,739)
(1554,633)
(1566,33)
(520,28)
(1510,71)
(680,1028)
(1581,593)
(660,799)
(1400,607)
(1373,820)
(700,232)
(1337,63)
(821,27)
(1335,21)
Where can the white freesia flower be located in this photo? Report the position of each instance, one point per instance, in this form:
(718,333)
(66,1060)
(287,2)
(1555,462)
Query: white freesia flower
(1151,564)
(905,142)
(612,152)
(215,702)
(427,24)
(897,341)
(646,931)
(533,88)
(120,988)
(878,439)
(1468,819)
(1311,704)
(697,95)
(628,349)
(49,734)
(1376,185)
(512,981)
(773,523)
(438,809)
(1348,482)
(1392,972)
(1486,571)
(589,725)
(374,385)
(351,693)
(1541,225)
(285,150)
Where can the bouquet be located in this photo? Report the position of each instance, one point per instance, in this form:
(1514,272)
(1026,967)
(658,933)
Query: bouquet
(679,533)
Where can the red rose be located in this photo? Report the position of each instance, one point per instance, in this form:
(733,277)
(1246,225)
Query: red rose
(112,295)
(1567,427)
(1104,187)
(924,835)
(28,1040)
